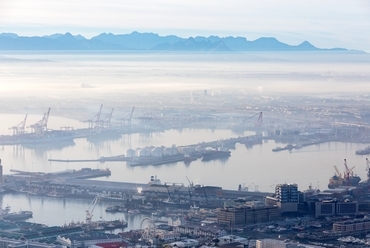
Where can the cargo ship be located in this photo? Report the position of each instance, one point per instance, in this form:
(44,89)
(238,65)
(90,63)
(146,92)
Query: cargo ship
(347,179)
(21,215)
(365,151)
(215,154)
(152,160)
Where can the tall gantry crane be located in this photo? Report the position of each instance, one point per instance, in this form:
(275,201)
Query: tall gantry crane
(94,123)
(127,119)
(106,122)
(41,126)
(20,128)
(90,210)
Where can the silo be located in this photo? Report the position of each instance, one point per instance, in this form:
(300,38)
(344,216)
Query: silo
(167,151)
(156,152)
(137,151)
(130,153)
(144,152)
(174,150)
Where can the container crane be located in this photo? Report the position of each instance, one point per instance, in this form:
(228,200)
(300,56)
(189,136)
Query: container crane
(40,127)
(106,121)
(127,119)
(94,123)
(20,128)
(90,210)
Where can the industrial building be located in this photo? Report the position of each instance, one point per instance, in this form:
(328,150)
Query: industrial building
(352,226)
(246,215)
(15,243)
(335,208)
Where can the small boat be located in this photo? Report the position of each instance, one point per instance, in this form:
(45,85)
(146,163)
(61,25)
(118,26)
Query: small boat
(133,211)
(112,209)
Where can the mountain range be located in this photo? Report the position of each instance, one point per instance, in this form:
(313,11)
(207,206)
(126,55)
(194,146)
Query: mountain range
(149,42)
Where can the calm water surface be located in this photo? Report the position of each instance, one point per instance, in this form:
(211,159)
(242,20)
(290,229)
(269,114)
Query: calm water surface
(257,168)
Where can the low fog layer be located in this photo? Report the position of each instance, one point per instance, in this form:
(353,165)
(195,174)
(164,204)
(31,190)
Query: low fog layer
(80,80)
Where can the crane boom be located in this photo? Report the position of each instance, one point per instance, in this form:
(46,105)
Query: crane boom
(24,123)
(132,111)
(98,116)
(46,119)
(338,173)
(20,128)
(259,120)
(90,210)
(107,119)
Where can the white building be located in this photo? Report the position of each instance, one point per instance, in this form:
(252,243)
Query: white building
(186,243)
(274,243)
(176,221)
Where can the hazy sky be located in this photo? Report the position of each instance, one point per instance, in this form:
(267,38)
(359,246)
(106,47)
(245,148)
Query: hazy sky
(328,23)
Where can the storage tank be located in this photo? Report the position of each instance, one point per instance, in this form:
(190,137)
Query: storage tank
(130,153)
(137,151)
(144,152)
(167,151)
(174,150)
(156,152)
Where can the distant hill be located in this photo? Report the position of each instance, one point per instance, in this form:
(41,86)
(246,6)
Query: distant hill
(149,42)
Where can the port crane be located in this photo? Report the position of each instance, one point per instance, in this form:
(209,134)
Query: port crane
(337,170)
(127,119)
(190,188)
(94,123)
(20,128)
(348,173)
(41,126)
(106,121)
(90,210)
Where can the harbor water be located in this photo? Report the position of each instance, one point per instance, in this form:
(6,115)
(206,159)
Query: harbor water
(257,168)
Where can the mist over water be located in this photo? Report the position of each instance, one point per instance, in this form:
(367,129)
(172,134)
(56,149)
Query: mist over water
(59,75)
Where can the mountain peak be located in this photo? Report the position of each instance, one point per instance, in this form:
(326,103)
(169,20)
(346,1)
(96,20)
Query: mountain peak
(148,41)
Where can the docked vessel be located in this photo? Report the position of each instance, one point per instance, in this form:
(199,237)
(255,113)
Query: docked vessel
(347,179)
(365,151)
(21,215)
(287,147)
(152,160)
(215,154)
